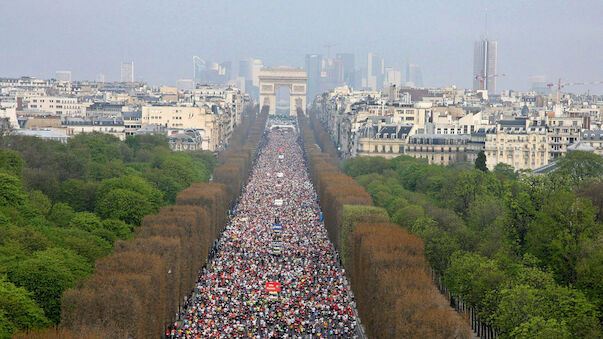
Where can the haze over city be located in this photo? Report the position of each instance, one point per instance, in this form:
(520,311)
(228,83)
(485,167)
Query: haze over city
(556,39)
(308,169)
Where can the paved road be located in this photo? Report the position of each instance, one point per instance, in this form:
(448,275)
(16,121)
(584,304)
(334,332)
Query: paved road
(275,274)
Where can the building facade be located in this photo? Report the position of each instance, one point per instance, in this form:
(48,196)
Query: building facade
(521,143)
(127,71)
(484,65)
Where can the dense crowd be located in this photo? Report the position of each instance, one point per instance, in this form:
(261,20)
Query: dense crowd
(276,235)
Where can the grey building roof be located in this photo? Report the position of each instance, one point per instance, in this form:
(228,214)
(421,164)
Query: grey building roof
(592,135)
(580,146)
(131,115)
(44,134)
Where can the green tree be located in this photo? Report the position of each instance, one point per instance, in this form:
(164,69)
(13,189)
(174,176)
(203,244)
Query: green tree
(79,241)
(125,205)
(505,172)
(581,165)
(439,245)
(86,221)
(6,327)
(480,162)
(40,202)
(19,308)
(473,276)
(365,165)
(47,275)
(407,215)
(541,328)
(134,184)
(11,162)
(61,214)
(521,303)
(11,191)
(558,231)
(119,228)
(79,194)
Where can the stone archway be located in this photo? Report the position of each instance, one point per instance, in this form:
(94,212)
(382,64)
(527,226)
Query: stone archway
(273,78)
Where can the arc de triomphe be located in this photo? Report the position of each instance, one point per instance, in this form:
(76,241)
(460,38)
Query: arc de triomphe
(273,78)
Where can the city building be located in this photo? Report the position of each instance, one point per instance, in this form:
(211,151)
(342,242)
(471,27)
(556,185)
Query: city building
(44,134)
(392,77)
(62,106)
(132,122)
(375,72)
(594,139)
(188,140)
(563,131)
(63,76)
(127,71)
(349,68)
(212,120)
(186,84)
(249,69)
(314,72)
(112,126)
(484,65)
(439,149)
(521,143)
(381,139)
(414,77)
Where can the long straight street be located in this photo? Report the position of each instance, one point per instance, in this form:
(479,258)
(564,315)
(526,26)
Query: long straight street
(275,273)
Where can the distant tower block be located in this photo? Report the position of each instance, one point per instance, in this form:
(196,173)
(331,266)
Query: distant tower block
(63,75)
(127,71)
(484,65)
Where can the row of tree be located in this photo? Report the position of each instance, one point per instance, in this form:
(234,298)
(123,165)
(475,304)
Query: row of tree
(135,291)
(525,251)
(138,288)
(237,159)
(386,265)
(63,205)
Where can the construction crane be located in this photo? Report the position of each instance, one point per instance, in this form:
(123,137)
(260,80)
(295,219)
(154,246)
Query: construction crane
(483,78)
(566,84)
(328,46)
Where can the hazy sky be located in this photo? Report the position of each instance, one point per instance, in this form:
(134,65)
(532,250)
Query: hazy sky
(558,39)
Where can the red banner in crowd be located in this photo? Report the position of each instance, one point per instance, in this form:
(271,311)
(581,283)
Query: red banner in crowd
(273,286)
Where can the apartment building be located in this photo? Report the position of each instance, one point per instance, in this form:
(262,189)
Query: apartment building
(562,132)
(438,149)
(62,106)
(385,140)
(212,120)
(521,143)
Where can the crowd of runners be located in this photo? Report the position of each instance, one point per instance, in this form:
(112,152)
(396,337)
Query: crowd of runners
(274,273)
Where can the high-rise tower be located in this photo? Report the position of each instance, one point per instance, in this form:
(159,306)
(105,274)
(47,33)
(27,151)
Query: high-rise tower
(314,71)
(127,71)
(484,65)
(414,77)
(484,62)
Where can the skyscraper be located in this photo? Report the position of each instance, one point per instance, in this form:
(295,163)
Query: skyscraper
(414,77)
(63,75)
(484,65)
(392,77)
(348,68)
(314,70)
(249,70)
(198,69)
(375,72)
(539,85)
(127,71)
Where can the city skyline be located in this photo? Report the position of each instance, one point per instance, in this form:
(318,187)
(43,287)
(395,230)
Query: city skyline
(537,38)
